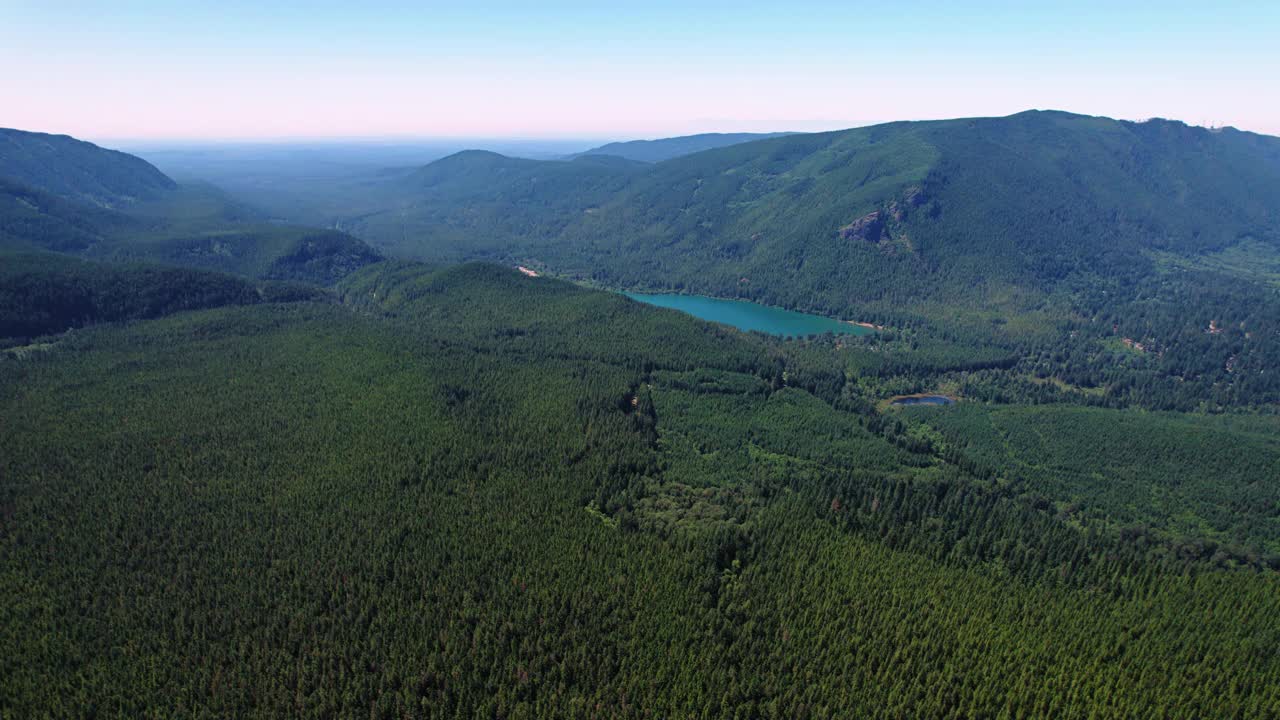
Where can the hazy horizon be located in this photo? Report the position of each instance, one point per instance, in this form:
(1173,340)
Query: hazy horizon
(483,142)
(393,72)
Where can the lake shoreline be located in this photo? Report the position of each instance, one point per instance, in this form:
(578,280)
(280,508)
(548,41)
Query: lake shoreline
(898,400)
(750,316)
(869,326)
(644,296)
(530,271)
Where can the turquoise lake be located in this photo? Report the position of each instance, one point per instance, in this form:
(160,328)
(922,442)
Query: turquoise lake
(751,316)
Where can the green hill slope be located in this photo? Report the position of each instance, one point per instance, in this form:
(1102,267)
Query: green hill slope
(78,170)
(31,218)
(46,293)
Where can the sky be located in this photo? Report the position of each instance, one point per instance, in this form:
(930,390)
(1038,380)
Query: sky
(232,70)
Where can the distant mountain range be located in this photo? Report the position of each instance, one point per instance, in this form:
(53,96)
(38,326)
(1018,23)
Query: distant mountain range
(65,195)
(988,210)
(652,151)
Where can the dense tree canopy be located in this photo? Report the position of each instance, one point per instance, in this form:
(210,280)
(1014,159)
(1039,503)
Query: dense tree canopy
(471,493)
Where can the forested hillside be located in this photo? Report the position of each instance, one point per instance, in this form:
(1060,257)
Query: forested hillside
(78,170)
(63,195)
(996,212)
(468,492)
(1139,261)
(31,219)
(45,293)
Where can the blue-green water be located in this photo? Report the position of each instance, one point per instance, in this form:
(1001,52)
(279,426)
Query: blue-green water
(751,316)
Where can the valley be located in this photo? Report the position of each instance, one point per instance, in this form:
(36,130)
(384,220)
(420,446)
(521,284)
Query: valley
(588,436)
(639,361)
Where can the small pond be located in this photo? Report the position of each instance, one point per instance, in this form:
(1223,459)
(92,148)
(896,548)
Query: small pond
(923,400)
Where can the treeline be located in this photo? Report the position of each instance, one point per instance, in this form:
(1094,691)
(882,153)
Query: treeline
(1187,341)
(46,294)
(42,294)
(1193,481)
(1182,340)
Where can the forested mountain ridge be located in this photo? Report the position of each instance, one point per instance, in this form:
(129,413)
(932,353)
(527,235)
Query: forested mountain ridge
(33,218)
(63,195)
(468,491)
(1134,262)
(652,151)
(45,293)
(972,210)
(78,170)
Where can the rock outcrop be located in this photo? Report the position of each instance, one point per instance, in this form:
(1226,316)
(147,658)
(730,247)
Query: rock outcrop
(868,228)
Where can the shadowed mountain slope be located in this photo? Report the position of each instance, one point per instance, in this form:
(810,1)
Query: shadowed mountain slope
(60,194)
(78,170)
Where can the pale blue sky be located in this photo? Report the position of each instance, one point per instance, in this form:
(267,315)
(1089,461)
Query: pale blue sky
(127,69)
